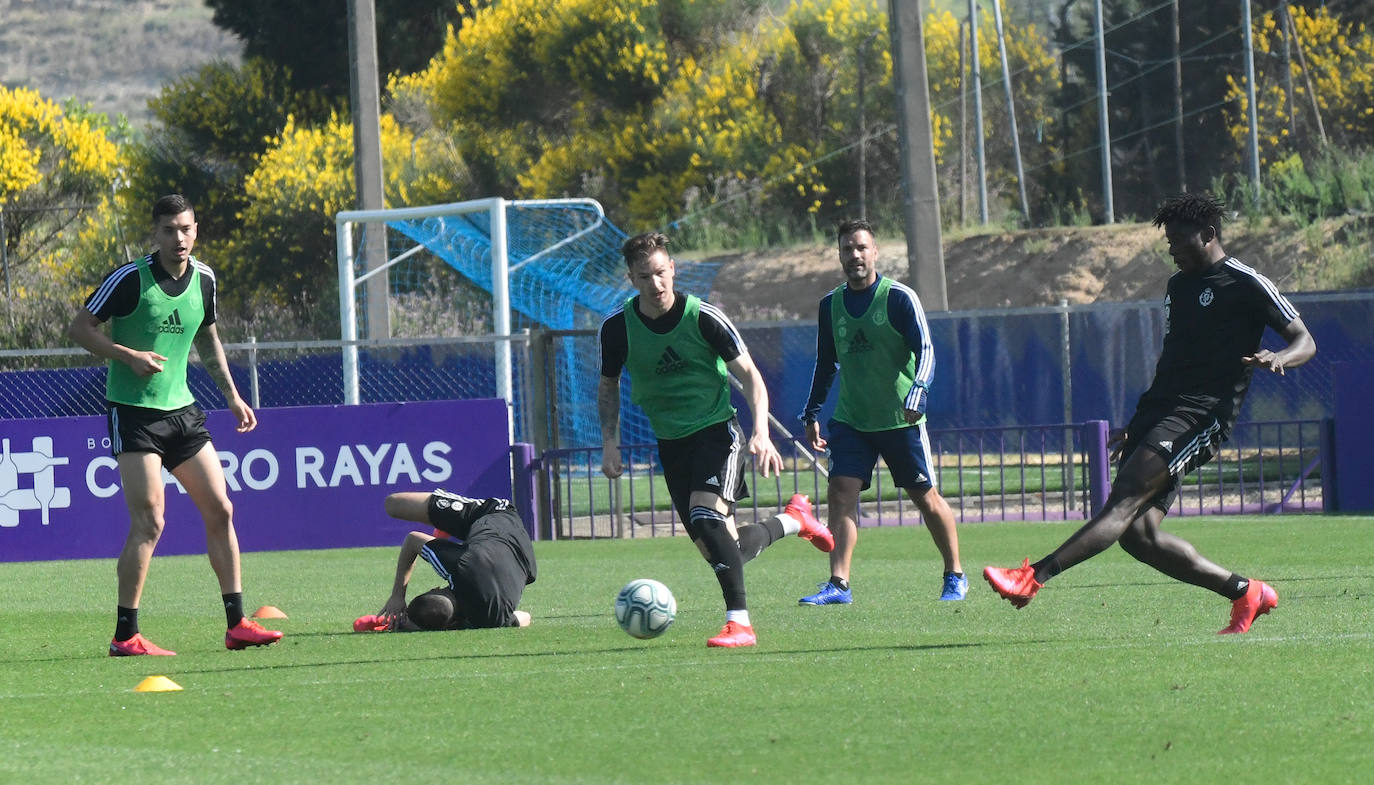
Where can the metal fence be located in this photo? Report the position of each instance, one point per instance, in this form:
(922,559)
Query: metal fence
(1024,473)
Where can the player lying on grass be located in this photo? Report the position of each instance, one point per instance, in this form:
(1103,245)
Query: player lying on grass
(484,556)
(1215,311)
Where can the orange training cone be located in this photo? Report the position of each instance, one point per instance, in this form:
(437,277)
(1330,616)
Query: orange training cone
(269,612)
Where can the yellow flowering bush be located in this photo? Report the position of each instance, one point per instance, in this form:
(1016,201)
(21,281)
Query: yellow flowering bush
(283,248)
(1340,61)
(40,142)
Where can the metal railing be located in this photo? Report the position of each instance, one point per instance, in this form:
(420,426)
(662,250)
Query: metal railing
(1025,473)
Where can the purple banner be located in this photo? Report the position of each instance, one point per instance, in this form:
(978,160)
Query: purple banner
(306,477)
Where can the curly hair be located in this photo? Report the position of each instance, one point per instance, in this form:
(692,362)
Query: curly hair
(1200,209)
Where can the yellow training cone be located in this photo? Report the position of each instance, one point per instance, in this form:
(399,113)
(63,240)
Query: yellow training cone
(269,612)
(157,684)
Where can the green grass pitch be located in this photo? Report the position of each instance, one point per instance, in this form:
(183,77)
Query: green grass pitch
(1114,674)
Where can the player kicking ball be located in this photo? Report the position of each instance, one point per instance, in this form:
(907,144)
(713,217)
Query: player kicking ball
(1215,311)
(677,351)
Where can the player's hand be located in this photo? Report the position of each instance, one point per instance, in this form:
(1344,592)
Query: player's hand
(917,409)
(394,607)
(766,456)
(813,435)
(610,461)
(1265,359)
(247,420)
(1116,442)
(146,363)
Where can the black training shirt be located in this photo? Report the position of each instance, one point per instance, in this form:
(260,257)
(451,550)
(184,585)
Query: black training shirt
(1212,319)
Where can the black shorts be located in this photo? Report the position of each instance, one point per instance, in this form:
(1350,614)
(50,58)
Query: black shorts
(176,435)
(487,571)
(710,460)
(1185,435)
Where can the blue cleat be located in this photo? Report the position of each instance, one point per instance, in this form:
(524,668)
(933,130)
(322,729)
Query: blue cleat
(956,586)
(829,594)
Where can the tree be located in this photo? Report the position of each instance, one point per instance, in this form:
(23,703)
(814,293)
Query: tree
(56,163)
(309,38)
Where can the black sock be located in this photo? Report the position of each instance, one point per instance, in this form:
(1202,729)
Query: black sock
(1235,587)
(233,608)
(126,623)
(1046,568)
(757,536)
(723,554)
(839,583)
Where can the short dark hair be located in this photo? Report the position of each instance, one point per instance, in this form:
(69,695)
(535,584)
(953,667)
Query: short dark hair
(171,204)
(1198,208)
(642,246)
(432,610)
(850,226)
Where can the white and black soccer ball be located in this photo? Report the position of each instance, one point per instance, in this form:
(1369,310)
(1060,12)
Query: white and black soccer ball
(645,608)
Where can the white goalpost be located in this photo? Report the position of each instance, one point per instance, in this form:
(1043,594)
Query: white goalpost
(495,209)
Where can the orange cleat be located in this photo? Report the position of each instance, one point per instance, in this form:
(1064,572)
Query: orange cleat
(812,530)
(249,633)
(1017,585)
(1259,599)
(733,635)
(371,623)
(138,646)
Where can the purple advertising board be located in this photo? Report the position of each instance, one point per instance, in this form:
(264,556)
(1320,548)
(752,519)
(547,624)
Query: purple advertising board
(306,477)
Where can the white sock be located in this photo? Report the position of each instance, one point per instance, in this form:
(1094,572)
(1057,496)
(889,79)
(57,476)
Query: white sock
(790,525)
(738,617)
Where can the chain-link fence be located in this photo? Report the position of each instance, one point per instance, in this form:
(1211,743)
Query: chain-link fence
(993,368)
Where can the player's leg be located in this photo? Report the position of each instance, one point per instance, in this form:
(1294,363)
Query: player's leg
(713,472)
(136,444)
(907,452)
(140,474)
(1174,556)
(410,506)
(203,478)
(1144,476)
(852,458)
(419,507)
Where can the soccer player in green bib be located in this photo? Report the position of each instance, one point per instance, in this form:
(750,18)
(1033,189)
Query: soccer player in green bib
(158,307)
(873,333)
(678,349)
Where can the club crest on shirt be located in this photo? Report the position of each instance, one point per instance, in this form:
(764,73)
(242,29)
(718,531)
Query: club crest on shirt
(880,316)
(1205,299)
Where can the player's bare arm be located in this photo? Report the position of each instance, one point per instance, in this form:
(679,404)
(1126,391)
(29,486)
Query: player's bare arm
(211,353)
(608,411)
(1301,347)
(756,393)
(86,332)
(405,564)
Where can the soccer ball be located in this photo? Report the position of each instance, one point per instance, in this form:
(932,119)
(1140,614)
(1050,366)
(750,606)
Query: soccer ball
(645,608)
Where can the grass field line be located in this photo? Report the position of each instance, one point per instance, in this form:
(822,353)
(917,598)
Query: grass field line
(787,657)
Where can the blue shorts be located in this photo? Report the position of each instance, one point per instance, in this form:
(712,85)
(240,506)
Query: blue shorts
(854,453)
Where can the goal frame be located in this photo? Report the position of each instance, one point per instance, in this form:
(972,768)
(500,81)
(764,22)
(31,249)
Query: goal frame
(496,209)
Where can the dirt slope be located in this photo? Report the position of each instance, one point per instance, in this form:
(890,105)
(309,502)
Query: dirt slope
(1116,263)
